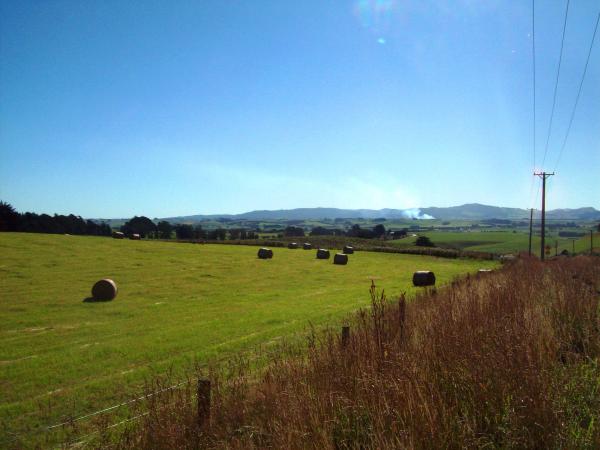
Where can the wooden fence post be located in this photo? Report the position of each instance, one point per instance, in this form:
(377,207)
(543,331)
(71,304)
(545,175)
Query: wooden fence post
(401,314)
(203,402)
(345,335)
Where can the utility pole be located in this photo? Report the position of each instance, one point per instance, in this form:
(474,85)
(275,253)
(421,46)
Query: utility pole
(555,248)
(530,228)
(573,248)
(591,241)
(543,176)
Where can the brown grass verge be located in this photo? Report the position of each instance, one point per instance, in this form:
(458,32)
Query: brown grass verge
(506,359)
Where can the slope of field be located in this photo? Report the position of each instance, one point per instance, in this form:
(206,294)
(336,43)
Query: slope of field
(177,303)
(484,241)
(500,241)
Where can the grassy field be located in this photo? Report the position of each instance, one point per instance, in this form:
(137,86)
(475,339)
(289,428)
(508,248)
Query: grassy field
(499,241)
(177,303)
(506,360)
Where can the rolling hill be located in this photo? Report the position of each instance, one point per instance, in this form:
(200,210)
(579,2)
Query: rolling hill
(470,211)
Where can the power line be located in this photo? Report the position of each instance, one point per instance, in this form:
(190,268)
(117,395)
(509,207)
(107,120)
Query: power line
(533,52)
(556,83)
(578,94)
(534,121)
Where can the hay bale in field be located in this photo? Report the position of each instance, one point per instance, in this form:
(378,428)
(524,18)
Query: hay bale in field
(265,253)
(118,235)
(104,290)
(424,278)
(307,246)
(507,258)
(135,237)
(322,253)
(293,245)
(348,250)
(340,258)
(484,271)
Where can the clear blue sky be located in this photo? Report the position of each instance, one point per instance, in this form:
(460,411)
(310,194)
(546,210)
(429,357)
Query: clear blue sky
(116,108)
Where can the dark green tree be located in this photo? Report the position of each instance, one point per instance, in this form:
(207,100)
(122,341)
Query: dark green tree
(9,217)
(321,231)
(199,232)
(165,229)
(184,231)
(221,234)
(293,231)
(379,230)
(424,241)
(398,234)
(357,231)
(139,225)
(218,234)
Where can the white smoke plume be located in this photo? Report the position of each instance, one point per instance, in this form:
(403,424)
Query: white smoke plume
(415,213)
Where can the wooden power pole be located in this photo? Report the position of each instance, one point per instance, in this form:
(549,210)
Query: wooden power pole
(530,228)
(543,176)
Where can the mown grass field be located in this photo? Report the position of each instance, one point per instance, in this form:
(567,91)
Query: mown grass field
(177,303)
(500,241)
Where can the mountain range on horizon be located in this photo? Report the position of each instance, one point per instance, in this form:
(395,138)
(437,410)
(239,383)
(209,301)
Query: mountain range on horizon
(469,211)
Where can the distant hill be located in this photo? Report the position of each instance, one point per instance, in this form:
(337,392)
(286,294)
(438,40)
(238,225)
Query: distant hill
(574,214)
(470,211)
(476,211)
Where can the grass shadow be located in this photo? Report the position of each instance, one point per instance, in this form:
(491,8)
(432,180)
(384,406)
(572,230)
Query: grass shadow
(94,300)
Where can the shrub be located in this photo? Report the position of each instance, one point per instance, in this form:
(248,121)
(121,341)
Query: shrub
(424,241)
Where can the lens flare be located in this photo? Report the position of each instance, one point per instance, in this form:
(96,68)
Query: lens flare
(375,15)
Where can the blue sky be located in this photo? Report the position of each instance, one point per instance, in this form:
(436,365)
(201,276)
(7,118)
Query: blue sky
(110,109)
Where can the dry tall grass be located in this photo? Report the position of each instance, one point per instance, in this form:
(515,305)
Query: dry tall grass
(507,359)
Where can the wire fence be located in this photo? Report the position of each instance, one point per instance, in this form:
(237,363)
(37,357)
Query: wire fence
(257,351)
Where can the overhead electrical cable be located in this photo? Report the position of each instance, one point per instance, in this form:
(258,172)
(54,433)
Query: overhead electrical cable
(533,70)
(578,94)
(556,84)
(533,66)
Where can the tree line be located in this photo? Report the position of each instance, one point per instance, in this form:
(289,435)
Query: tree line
(146,228)
(11,220)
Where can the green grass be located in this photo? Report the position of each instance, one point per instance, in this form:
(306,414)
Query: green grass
(485,241)
(177,303)
(499,241)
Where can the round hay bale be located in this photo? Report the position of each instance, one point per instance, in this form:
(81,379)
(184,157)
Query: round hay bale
(424,278)
(307,246)
(348,250)
(118,235)
(340,258)
(135,237)
(484,271)
(322,253)
(293,245)
(265,253)
(105,289)
(507,258)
